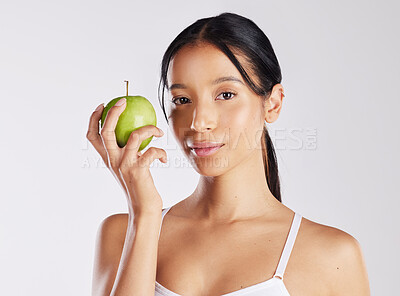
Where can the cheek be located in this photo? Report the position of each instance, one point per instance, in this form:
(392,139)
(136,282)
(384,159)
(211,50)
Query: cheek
(180,125)
(242,122)
(237,116)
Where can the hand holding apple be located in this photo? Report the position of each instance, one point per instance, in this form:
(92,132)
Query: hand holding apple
(143,197)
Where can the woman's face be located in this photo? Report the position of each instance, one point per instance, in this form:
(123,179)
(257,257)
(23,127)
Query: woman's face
(201,108)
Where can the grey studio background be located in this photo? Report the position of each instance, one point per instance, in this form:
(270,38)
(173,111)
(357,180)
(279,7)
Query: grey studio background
(336,139)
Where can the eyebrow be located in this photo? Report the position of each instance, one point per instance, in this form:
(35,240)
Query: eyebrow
(214,82)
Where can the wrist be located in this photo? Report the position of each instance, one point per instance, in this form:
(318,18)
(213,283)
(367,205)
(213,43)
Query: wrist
(143,215)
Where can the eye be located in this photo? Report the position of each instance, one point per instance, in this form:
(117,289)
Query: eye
(229,95)
(180,99)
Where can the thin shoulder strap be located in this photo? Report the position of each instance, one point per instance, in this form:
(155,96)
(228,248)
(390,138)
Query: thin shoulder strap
(287,249)
(163,213)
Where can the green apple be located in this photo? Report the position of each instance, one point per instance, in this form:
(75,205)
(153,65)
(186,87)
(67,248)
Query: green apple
(138,112)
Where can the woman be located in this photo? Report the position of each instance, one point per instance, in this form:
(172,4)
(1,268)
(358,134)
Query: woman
(232,235)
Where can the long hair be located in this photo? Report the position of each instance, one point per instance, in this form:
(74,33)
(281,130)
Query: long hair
(230,33)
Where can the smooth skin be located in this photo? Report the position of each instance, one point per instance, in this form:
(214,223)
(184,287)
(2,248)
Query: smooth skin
(230,232)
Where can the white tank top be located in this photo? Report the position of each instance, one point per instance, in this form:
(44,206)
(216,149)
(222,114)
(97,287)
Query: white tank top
(271,287)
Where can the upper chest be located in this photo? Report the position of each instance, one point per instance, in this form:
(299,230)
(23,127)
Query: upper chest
(200,260)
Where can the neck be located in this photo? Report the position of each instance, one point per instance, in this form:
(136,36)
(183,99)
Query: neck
(240,193)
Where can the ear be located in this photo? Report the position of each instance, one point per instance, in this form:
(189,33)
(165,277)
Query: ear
(274,103)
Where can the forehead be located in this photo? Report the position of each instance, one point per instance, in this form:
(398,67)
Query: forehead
(201,64)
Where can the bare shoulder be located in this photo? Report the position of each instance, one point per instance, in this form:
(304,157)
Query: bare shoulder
(109,244)
(331,239)
(110,239)
(113,224)
(340,259)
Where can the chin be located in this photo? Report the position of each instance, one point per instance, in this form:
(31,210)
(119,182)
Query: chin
(210,166)
(209,172)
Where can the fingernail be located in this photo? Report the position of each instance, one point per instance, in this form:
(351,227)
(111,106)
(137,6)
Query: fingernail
(99,107)
(161,131)
(120,102)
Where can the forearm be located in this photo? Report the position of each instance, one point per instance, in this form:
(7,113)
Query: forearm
(136,273)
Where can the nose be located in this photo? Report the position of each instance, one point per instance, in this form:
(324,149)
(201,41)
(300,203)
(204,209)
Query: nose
(205,118)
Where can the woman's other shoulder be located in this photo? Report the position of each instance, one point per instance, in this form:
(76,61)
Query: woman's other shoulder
(340,256)
(330,237)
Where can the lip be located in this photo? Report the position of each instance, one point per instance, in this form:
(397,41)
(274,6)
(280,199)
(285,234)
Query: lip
(206,151)
(202,145)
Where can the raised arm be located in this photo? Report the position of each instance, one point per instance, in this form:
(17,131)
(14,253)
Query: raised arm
(126,257)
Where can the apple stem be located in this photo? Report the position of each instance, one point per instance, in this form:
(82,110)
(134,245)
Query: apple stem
(126,86)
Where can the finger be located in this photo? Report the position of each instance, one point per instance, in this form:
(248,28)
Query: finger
(136,138)
(93,132)
(150,155)
(108,130)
